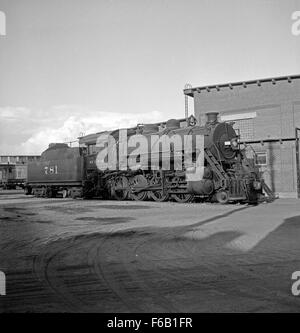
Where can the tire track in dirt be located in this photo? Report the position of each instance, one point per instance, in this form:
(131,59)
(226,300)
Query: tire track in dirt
(143,268)
(123,278)
(48,275)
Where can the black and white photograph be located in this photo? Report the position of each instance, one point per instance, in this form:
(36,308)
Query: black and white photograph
(149,159)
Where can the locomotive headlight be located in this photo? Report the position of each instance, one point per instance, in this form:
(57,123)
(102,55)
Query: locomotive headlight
(234,143)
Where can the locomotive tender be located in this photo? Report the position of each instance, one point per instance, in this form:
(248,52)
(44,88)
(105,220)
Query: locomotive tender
(226,173)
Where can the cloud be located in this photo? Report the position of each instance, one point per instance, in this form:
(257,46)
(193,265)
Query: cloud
(25,131)
(11,113)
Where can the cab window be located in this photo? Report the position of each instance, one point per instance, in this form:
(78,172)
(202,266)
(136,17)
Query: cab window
(92,149)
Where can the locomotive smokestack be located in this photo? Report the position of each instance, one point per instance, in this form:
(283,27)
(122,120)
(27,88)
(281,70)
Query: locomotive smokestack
(211,117)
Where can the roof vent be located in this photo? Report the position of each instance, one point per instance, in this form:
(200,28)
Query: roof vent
(212,117)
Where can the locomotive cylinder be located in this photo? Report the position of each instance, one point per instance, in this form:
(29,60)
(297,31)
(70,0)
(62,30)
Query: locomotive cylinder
(201,187)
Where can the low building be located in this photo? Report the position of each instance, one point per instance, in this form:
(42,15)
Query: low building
(265,112)
(13,168)
(18,159)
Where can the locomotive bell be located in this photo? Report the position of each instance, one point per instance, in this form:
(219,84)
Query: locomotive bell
(212,117)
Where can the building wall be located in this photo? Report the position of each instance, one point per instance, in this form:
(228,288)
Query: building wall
(268,111)
(7,172)
(279,171)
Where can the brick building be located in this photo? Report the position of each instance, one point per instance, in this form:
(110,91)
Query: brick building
(265,112)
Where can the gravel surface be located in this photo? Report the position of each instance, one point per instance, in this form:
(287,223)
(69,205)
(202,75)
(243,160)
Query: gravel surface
(62,255)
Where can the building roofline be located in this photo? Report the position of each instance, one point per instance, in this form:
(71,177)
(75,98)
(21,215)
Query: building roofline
(9,155)
(231,85)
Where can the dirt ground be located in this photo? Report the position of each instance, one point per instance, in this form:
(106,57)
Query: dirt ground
(62,255)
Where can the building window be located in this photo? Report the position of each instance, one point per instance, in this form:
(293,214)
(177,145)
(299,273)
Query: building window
(243,123)
(92,149)
(261,158)
(12,159)
(4,159)
(245,128)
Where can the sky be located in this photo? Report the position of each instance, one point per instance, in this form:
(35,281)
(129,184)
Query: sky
(73,67)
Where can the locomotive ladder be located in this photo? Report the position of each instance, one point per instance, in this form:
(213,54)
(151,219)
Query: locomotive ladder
(270,194)
(217,168)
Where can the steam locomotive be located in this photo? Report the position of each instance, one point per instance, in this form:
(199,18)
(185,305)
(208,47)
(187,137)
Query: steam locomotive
(223,173)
